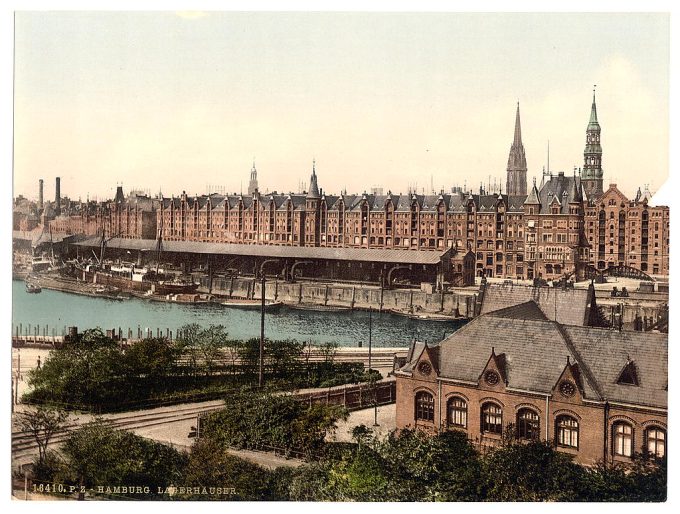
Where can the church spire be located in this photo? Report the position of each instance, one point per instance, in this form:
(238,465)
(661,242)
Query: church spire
(593,113)
(252,185)
(592,176)
(518,129)
(313,186)
(517,163)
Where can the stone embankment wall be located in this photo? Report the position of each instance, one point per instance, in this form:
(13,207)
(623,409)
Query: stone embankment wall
(351,296)
(631,308)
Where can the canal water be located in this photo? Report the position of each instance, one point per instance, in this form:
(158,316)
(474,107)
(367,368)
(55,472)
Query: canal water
(58,310)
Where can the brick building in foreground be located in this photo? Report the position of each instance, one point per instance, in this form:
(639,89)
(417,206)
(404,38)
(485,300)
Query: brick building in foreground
(597,394)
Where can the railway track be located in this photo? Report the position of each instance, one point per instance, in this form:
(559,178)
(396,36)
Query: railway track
(24,446)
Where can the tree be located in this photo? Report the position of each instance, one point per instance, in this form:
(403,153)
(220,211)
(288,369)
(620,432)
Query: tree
(42,423)
(100,455)
(282,356)
(232,348)
(361,434)
(531,471)
(306,353)
(210,342)
(187,344)
(256,420)
(153,358)
(88,370)
(210,465)
(328,351)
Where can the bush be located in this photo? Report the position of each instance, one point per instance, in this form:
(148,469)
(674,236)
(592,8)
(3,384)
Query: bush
(257,420)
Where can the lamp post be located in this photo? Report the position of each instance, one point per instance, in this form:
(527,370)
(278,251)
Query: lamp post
(371,378)
(260,375)
(370,329)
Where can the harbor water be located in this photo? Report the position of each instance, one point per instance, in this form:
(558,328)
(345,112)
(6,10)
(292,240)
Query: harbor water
(57,310)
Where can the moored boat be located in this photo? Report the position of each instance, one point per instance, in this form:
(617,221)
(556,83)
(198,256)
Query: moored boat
(319,308)
(421,316)
(251,304)
(32,288)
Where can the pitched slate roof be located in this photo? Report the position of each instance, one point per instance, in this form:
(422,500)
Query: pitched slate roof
(567,306)
(274,251)
(536,351)
(526,310)
(609,350)
(564,188)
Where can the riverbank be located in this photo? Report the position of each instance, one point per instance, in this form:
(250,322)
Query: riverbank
(51,312)
(415,304)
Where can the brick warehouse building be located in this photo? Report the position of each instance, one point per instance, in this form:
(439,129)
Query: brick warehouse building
(554,230)
(597,394)
(624,232)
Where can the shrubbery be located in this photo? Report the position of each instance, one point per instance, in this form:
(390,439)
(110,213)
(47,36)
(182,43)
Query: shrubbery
(266,420)
(93,372)
(410,466)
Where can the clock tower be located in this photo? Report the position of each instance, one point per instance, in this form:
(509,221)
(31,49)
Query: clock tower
(592,175)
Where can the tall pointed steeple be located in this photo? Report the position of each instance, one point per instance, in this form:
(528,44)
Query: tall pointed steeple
(313,186)
(592,175)
(517,162)
(252,185)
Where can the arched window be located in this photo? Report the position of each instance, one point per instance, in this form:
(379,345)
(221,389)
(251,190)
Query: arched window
(622,439)
(492,419)
(655,438)
(424,406)
(528,424)
(456,412)
(566,431)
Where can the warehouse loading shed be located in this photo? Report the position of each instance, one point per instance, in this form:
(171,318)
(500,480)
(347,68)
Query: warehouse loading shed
(385,267)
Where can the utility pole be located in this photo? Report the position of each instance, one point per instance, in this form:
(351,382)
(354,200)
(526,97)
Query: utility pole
(370,329)
(260,377)
(370,376)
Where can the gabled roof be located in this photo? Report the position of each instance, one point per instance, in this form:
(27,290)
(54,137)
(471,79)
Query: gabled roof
(415,351)
(527,310)
(608,351)
(535,351)
(566,189)
(533,199)
(568,306)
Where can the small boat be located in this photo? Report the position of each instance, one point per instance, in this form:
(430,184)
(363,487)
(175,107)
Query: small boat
(251,304)
(192,299)
(32,288)
(431,317)
(319,308)
(422,316)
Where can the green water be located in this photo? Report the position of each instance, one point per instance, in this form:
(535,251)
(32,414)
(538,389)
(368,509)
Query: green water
(58,310)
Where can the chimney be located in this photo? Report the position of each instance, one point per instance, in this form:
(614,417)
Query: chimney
(40,194)
(57,197)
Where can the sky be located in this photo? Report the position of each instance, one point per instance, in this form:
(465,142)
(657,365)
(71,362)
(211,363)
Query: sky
(174,102)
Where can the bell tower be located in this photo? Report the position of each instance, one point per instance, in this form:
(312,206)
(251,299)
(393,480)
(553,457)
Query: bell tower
(592,175)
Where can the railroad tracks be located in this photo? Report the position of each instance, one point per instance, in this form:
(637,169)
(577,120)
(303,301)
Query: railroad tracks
(24,446)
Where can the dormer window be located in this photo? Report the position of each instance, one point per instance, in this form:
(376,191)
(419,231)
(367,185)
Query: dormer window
(628,375)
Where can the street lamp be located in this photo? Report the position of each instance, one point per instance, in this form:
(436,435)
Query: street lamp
(260,376)
(371,378)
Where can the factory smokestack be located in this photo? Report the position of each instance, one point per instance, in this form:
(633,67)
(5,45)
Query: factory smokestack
(40,194)
(57,197)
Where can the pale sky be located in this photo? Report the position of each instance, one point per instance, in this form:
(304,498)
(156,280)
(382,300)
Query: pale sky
(170,102)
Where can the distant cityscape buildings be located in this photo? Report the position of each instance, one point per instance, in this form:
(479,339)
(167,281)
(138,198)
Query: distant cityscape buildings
(566,225)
